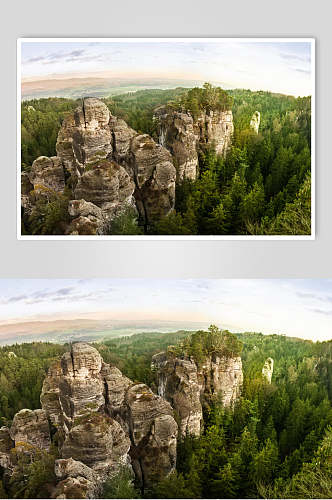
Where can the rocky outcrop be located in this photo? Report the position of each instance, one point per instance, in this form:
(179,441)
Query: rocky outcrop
(177,381)
(104,420)
(255,121)
(76,480)
(186,385)
(47,173)
(184,136)
(267,370)
(31,427)
(85,136)
(215,129)
(101,160)
(6,444)
(176,133)
(111,163)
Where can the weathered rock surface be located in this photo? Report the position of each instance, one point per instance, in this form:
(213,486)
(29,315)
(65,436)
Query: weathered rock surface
(110,163)
(153,432)
(99,442)
(176,133)
(186,386)
(6,444)
(183,136)
(87,218)
(178,384)
(31,427)
(267,370)
(76,480)
(47,173)
(84,136)
(108,186)
(255,121)
(105,420)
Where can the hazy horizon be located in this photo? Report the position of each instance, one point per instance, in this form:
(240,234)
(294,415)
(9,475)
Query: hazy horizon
(282,66)
(295,307)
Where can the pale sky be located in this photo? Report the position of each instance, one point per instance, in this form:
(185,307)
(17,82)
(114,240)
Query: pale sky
(295,307)
(281,66)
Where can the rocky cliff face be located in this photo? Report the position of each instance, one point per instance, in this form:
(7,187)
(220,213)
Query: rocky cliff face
(186,385)
(108,164)
(183,136)
(103,420)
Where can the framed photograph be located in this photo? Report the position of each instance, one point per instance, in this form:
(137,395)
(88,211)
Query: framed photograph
(166,138)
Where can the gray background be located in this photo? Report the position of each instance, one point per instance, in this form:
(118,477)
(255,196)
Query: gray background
(171,259)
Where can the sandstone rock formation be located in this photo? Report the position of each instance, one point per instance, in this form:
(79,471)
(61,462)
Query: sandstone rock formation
(47,173)
(6,444)
(185,385)
(267,370)
(176,133)
(76,480)
(104,420)
(183,136)
(255,121)
(110,163)
(31,427)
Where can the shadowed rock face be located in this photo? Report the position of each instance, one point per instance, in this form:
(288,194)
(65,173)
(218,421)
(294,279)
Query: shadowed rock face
(185,385)
(183,136)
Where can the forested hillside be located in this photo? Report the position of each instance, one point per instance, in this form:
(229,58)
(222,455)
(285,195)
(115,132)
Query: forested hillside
(276,443)
(262,185)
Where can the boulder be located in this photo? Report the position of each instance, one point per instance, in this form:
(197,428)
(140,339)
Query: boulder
(107,185)
(97,441)
(47,174)
(31,427)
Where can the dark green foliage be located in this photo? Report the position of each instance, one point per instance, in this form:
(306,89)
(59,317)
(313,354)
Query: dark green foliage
(21,377)
(41,120)
(49,215)
(201,344)
(120,486)
(207,98)
(125,223)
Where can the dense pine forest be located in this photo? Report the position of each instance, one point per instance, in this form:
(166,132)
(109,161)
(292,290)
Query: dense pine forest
(275,443)
(262,186)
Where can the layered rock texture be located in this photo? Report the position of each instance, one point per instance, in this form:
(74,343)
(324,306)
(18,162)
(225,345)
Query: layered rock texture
(183,136)
(186,385)
(104,420)
(106,163)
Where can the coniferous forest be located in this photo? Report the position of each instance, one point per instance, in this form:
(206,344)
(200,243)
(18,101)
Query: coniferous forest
(262,186)
(275,443)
